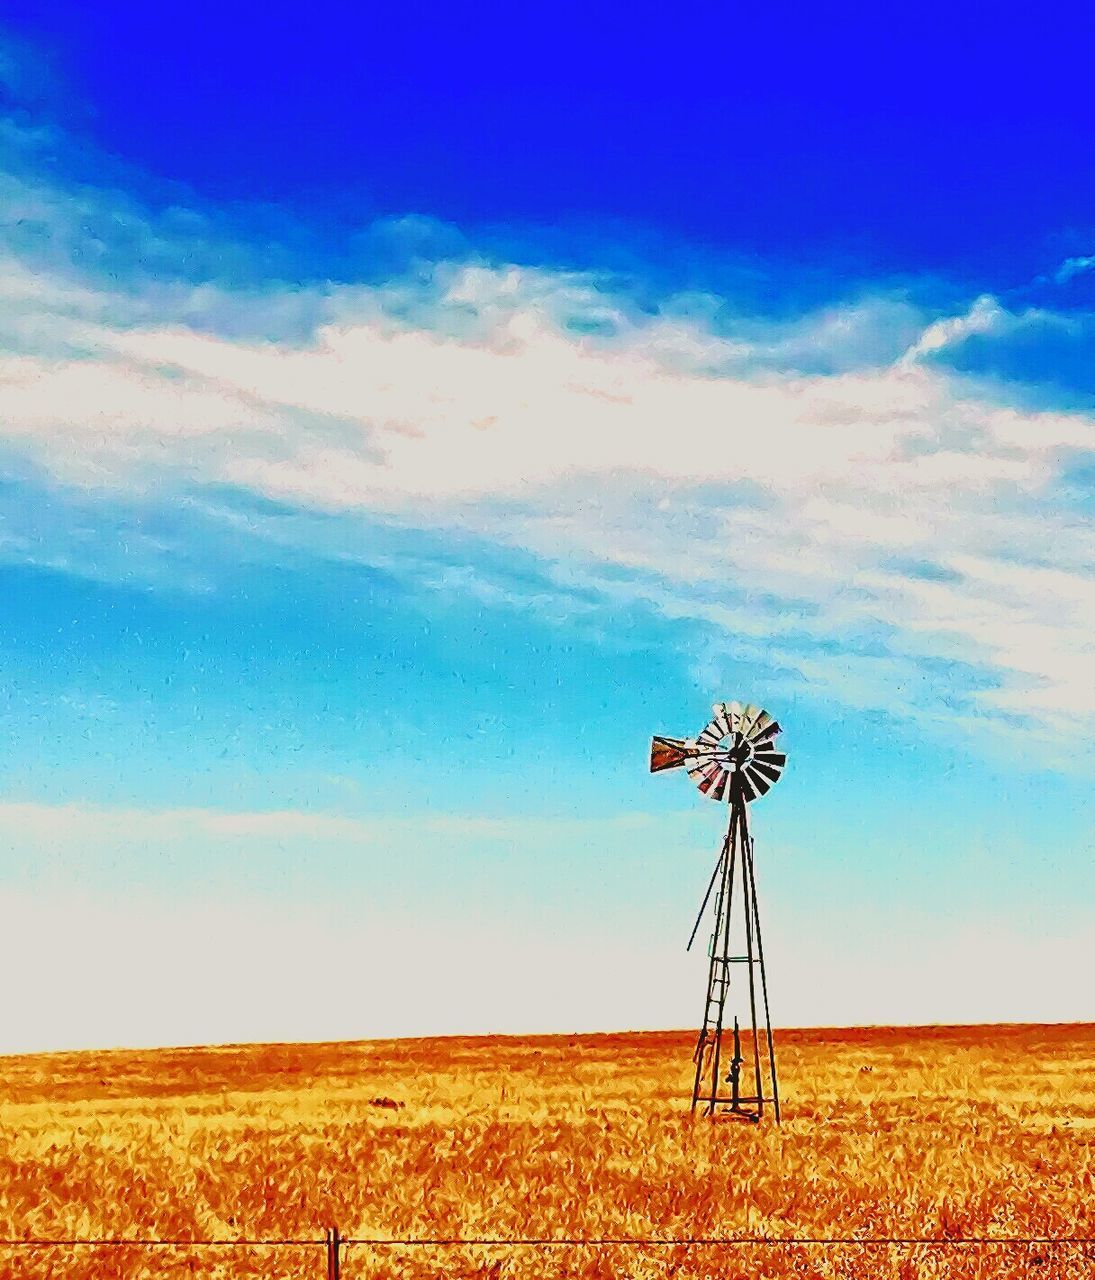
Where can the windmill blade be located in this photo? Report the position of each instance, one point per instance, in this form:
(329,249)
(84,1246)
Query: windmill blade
(766,770)
(771,772)
(718,792)
(666,753)
(749,716)
(735,714)
(764,728)
(711,736)
(762,721)
(760,783)
(705,774)
(765,740)
(713,776)
(722,717)
(775,758)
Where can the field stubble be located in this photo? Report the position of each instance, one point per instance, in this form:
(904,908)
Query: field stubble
(944,1133)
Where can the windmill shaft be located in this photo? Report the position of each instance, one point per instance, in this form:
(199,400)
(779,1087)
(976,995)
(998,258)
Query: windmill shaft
(736,913)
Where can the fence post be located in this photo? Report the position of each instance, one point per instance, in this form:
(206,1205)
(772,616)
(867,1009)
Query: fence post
(334,1248)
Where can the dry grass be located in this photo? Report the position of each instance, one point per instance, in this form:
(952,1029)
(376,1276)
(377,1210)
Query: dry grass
(964,1131)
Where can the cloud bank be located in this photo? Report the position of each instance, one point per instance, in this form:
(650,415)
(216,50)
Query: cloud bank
(824,494)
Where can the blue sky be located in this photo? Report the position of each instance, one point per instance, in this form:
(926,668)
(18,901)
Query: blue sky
(403,415)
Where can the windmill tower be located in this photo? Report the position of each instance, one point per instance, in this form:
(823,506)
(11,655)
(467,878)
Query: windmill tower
(734,760)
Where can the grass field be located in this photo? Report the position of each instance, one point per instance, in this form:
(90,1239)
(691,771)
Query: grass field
(887,1132)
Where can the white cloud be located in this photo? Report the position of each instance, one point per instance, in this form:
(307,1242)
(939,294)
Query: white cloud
(889,501)
(1072,267)
(985,316)
(34,821)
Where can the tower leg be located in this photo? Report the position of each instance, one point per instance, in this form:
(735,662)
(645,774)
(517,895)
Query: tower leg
(747,894)
(764,985)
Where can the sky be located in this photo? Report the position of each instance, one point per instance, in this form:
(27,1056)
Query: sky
(405,412)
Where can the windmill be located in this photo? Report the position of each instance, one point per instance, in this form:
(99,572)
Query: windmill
(734,760)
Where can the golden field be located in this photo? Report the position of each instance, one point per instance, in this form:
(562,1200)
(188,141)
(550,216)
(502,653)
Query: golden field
(939,1133)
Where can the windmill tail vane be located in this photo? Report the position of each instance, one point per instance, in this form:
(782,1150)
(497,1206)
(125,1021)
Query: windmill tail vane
(732,760)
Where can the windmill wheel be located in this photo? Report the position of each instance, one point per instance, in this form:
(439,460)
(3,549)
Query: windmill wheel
(734,753)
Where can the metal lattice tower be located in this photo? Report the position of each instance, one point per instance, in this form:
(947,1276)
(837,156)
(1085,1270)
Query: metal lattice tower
(733,760)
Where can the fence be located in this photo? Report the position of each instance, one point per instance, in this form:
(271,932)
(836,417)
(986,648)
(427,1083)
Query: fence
(333,1244)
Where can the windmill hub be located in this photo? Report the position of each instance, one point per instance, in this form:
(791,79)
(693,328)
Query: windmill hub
(737,754)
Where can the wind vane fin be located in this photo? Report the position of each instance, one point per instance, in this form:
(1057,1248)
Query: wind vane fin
(666,753)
